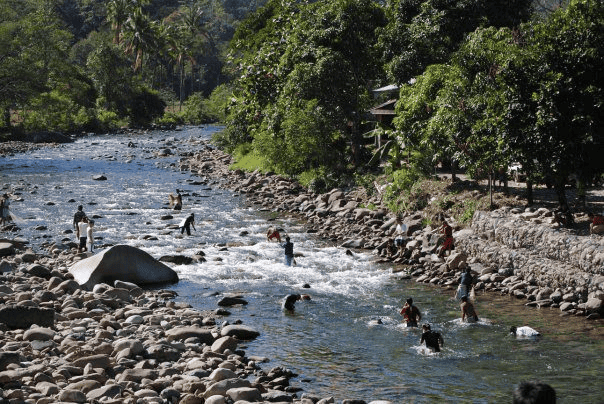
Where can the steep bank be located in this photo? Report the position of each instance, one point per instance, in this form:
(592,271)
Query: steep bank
(516,251)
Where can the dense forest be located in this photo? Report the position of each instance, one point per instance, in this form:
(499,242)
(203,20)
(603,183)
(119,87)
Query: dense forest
(480,84)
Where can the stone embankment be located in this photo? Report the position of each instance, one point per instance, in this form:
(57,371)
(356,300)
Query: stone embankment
(509,251)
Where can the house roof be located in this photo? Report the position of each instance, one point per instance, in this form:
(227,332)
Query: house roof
(386,108)
(391,87)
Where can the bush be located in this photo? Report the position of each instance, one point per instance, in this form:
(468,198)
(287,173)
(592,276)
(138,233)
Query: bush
(145,106)
(194,110)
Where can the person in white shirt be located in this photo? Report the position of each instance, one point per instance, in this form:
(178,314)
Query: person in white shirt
(90,239)
(400,236)
(82,231)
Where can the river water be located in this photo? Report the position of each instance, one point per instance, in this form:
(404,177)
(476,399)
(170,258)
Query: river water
(333,342)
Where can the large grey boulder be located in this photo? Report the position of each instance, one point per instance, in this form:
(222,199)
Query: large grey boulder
(124,263)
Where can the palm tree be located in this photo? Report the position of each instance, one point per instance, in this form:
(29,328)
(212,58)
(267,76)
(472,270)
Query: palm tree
(140,36)
(118,12)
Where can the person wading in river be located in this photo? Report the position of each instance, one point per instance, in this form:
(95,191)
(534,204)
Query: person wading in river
(289,251)
(411,313)
(432,339)
(468,314)
(187,223)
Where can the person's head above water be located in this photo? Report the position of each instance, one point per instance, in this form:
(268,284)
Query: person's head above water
(409,301)
(286,238)
(80,207)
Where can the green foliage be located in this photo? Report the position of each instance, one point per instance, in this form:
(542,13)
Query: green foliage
(194,111)
(318,180)
(246,159)
(405,192)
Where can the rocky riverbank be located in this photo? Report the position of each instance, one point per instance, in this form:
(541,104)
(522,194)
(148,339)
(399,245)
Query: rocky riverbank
(514,251)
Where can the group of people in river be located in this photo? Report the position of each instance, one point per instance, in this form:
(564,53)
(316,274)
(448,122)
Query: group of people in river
(434,341)
(83,227)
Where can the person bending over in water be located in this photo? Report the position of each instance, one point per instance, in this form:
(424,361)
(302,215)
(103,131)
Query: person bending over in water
(411,313)
(468,314)
(433,339)
(290,301)
(273,233)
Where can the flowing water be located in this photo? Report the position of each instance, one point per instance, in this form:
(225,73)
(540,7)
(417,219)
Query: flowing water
(333,342)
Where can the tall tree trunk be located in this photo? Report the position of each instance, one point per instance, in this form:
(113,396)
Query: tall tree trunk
(529,192)
(7,117)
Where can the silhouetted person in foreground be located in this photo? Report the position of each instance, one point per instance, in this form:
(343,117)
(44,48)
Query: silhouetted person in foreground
(534,392)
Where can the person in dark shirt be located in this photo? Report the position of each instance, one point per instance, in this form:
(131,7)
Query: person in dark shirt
(77,218)
(432,339)
(534,392)
(290,301)
(465,284)
(187,223)
(289,251)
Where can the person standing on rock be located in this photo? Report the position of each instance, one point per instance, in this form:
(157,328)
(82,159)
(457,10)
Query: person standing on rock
(82,232)
(187,223)
(432,339)
(4,209)
(411,313)
(465,284)
(90,239)
(468,313)
(400,235)
(77,218)
(289,251)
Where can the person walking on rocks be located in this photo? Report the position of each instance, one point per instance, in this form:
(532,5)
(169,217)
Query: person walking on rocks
(77,218)
(83,232)
(468,313)
(89,237)
(447,232)
(289,251)
(400,235)
(411,313)
(187,223)
(466,280)
(432,339)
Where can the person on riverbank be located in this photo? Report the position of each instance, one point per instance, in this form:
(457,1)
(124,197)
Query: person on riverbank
(447,232)
(186,224)
(466,280)
(597,223)
(82,233)
(468,313)
(400,236)
(77,218)
(273,233)
(432,339)
(89,237)
(289,251)
(4,209)
(410,313)
(534,392)
(176,200)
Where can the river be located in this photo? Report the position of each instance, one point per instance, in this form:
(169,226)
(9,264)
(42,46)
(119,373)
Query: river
(333,342)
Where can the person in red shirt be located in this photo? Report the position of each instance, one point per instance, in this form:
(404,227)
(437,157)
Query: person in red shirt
(447,231)
(597,223)
(411,313)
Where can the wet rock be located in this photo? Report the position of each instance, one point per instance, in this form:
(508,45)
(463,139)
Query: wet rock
(241,332)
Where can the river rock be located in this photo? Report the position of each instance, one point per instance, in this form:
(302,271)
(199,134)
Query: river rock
(124,263)
(248,394)
(182,333)
(221,387)
(6,249)
(24,317)
(39,334)
(241,332)
(7,358)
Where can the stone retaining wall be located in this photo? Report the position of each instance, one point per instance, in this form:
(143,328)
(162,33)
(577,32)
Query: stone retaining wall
(528,245)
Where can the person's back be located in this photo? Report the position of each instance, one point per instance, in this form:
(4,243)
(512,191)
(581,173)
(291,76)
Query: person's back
(534,393)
